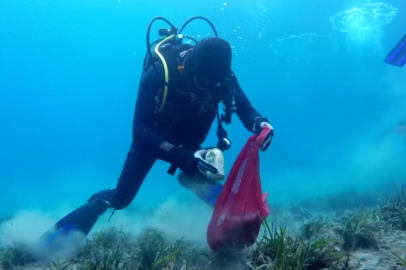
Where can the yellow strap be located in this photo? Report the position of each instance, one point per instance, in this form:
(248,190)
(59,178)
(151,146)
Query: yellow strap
(165,69)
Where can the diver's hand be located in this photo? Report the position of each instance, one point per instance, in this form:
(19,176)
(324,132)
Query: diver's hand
(194,166)
(260,123)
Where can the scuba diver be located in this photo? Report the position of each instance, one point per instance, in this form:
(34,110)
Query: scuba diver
(180,89)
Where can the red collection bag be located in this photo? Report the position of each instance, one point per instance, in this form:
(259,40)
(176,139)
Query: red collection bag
(241,206)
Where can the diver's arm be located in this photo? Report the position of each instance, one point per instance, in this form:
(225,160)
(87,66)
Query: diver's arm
(148,101)
(245,111)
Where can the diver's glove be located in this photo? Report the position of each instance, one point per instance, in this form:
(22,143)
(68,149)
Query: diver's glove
(194,166)
(259,124)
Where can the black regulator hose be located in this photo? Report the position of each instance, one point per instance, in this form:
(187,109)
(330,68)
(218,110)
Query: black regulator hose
(202,18)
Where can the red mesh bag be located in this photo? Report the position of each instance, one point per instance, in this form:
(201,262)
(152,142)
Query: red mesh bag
(241,206)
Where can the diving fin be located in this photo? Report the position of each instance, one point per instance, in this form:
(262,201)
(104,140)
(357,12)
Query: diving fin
(74,227)
(397,57)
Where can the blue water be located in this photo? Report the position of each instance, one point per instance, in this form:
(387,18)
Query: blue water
(70,70)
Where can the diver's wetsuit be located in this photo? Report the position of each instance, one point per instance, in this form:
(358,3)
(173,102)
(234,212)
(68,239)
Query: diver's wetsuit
(169,135)
(183,123)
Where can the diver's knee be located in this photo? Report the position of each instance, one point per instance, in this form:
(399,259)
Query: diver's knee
(113,199)
(121,201)
(101,200)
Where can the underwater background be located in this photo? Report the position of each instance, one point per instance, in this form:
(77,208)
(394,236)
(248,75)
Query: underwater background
(69,75)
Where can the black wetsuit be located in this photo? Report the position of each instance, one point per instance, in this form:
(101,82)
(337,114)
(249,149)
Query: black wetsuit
(172,134)
(183,124)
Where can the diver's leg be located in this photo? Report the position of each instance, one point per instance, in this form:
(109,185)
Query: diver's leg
(136,167)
